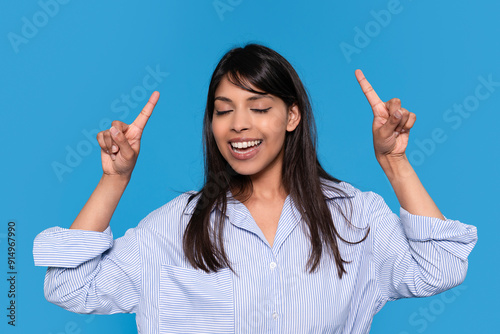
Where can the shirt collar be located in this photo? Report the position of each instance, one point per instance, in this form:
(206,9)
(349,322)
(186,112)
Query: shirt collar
(336,190)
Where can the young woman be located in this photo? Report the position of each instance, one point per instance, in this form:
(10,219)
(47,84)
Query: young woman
(271,242)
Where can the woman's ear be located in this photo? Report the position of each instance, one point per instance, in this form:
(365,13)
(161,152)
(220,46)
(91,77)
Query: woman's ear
(293,118)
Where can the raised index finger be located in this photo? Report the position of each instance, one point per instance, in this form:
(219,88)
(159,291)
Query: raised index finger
(370,94)
(146,112)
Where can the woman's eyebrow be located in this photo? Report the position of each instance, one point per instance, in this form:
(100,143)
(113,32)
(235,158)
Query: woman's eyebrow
(251,98)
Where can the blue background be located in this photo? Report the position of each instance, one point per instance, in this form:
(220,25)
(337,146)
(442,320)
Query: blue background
(67,74)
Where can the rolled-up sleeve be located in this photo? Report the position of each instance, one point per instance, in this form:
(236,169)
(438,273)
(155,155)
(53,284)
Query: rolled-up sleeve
(88,271)
(418,256)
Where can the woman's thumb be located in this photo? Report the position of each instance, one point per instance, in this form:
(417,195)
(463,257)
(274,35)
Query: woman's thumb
(390,126)
(122,142)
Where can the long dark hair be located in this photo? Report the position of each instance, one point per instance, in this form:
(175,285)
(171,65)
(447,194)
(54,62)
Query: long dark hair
(302,174)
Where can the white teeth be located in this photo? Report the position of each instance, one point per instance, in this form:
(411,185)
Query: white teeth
(246,144)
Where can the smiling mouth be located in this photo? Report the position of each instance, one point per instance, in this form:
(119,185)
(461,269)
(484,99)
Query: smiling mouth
(245,146)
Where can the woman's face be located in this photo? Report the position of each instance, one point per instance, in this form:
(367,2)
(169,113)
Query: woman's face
(250,128)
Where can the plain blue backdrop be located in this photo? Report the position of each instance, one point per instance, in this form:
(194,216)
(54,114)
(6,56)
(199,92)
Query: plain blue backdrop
(67,68)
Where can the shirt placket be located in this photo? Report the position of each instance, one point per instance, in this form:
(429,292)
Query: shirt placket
(275,312)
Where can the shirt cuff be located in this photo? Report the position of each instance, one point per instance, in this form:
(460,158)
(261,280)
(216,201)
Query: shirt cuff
(68,248)
(422,228)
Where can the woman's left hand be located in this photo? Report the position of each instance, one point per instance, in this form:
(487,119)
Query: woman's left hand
(391,123)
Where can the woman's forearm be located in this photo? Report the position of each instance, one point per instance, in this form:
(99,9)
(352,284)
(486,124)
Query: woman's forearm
(97,212)
(410,192)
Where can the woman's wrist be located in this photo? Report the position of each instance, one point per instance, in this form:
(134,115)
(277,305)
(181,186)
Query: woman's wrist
(395,168)
(116,181)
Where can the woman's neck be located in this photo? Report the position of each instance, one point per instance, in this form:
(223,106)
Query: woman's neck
(267,187)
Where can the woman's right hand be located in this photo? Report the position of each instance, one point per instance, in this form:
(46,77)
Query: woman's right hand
(121,143)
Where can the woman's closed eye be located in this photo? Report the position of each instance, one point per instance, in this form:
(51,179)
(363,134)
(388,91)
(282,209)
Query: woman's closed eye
(222,112)
(261,110)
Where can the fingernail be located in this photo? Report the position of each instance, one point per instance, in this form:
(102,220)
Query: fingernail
(114,148)
(113,131)
(113,157)
(397,114)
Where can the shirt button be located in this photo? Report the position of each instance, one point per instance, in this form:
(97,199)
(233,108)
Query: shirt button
(275,315)
(272,265)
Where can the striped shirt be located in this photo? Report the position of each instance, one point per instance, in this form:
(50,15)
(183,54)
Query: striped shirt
(145,271)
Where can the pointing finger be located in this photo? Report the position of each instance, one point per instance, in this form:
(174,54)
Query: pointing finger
(146,112)
(367,89)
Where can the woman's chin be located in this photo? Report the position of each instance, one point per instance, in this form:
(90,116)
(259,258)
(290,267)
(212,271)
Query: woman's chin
(248,171)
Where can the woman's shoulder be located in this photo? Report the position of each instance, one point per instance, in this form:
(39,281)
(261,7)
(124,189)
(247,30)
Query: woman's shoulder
(353,201)
(172,214)
(344,189)
(341,189)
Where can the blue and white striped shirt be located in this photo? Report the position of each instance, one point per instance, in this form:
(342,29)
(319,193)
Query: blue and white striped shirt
(145,271)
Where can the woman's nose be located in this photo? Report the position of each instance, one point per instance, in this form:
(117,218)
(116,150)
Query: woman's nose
(241,121)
